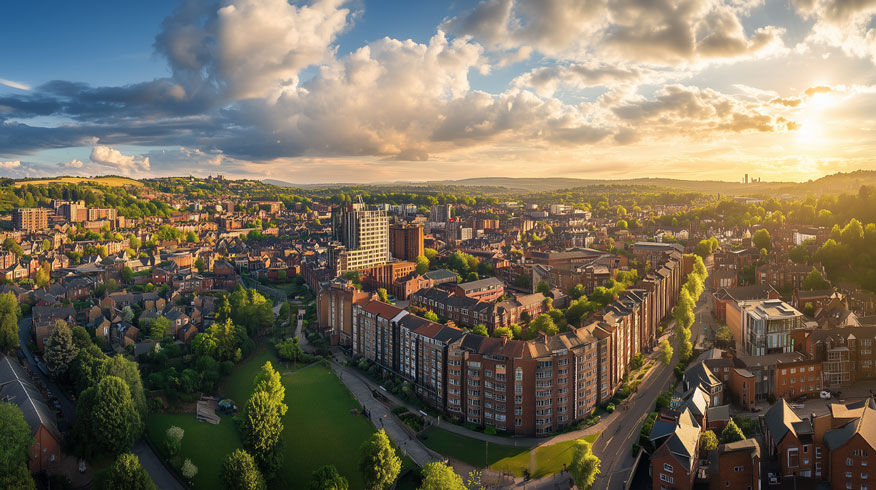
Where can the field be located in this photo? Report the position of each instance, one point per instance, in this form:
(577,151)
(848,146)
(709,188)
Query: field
(110,181)
(221,440)
(473,451)
(319,428)
(509,459)
(324,432)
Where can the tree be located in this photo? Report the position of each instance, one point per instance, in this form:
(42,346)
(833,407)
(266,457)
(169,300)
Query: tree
(43,275)
(708,441)
(18,479)
(431,316)
(268,381)
(666,352)
(761,239)
(173,439)
(127,274)
(126,473)
(480,329)
(15,439)
(8,322)
(239,472)
(585,466)
(200,265)
(107,418)
(289,349)
(731,433)
(422,264)
(544,324)
(159,328)
(127,314)
(378,463)
(261,429)
(46,245)
(439,476)
(703,248)
(814,280)
(60,350)
(188,469)
(13,246)
(543,288)
(81,337)
(326,477)
(724,337)
(503,332)
(383,295)
(577,291)
(128,371)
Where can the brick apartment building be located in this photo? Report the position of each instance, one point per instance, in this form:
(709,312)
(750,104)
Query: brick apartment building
(406,241)
(30,219)
(531,388)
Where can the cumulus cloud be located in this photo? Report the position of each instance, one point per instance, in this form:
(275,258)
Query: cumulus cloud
(846,24)
(10,164)
(105,158)
(698,113)
(665,32)
(546,80)
(249,48)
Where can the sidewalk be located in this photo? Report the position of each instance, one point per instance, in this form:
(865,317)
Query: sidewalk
(381,417)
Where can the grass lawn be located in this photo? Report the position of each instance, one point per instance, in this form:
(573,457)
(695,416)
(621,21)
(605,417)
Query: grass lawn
(205,444)
(321,433)
(238,385)
(550,459)
(471,451)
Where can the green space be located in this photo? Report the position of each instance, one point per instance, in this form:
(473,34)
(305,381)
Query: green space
(508,459)
(319,426)
(238,384)
(471,451)
(550,459)
(221,440)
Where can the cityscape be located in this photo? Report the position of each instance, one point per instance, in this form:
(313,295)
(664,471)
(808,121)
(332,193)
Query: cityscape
(488,244)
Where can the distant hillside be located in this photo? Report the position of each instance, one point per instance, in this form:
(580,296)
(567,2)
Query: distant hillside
(109,181)
(831,184)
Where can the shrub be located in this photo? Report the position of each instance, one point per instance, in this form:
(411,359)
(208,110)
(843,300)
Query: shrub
(609,408)
(490,430)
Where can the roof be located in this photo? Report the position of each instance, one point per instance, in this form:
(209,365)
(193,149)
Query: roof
(779,420)
(743,445)
(721,412)
(440,274)
(490,282)
(15,387)
(864,424)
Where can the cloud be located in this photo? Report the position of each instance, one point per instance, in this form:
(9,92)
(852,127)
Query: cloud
(820,89)
(698,114)
(787,102)
(248,48)
(546,80)
(16,85)
(71,165)
(667,32)
(846,24)
(10,165)
(105,159)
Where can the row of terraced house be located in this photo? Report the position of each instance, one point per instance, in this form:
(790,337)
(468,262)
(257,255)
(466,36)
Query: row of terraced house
(531,388)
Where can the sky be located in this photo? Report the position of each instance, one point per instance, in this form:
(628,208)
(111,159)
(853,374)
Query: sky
(331,91)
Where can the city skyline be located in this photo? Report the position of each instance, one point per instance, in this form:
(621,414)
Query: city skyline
(359,91)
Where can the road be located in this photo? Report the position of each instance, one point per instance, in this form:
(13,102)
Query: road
(614,446)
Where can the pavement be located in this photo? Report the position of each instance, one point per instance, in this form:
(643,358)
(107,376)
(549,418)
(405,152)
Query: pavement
(381,417)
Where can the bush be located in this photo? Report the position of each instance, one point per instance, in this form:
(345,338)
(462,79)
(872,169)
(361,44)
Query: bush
(636,448)
(609,408)
(399,410)
(490,430)
(663,401)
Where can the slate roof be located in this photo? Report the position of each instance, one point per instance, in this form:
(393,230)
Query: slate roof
(779,420)
(864,424)
(15,387)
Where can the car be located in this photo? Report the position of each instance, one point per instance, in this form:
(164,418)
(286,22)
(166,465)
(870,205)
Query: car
(798,406)
(825,395)
(773,478)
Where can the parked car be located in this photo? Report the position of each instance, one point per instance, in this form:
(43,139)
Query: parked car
(798,406)
(825,395)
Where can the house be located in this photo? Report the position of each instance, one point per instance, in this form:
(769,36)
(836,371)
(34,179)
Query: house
(790,439)
(16,388)
(674,462)
(735,465)
(44,318)
(699,375)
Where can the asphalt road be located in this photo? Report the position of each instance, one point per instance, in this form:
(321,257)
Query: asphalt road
(614,446)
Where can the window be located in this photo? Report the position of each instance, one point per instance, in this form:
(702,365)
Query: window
(849,462)
(667,478)
(668,468)
(793,457)
(738,469)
